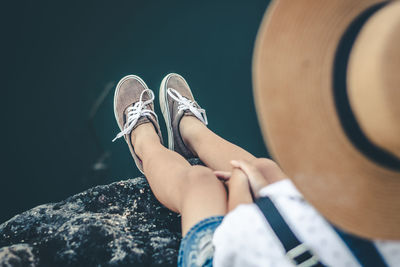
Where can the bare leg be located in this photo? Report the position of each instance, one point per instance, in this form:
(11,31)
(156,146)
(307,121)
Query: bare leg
(193,191)
(213,150)
(217,153)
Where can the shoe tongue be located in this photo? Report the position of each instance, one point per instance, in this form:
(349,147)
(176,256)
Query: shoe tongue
(142,119)
(145,97)
(148,106)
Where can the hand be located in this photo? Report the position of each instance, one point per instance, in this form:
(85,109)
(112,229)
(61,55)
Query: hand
(244,173)
(237,177)
(254,176)
(238,187)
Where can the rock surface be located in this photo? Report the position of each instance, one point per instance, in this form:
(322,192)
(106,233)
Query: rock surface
(121,224)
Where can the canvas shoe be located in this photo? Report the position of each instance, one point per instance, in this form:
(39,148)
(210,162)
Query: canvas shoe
(176,101)
(133,106)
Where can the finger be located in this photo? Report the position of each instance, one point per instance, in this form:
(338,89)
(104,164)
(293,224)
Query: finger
(223,175)
(256,179)
(239,179)
(244,169)
(235,163)
(247,168)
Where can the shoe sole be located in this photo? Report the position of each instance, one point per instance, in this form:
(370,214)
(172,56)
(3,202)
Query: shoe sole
(163,98)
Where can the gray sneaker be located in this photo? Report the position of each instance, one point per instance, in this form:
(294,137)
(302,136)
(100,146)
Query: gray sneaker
(176,101)
(133,106)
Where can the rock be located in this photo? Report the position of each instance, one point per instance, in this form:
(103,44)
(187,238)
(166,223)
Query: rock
(121,224)
(17,255)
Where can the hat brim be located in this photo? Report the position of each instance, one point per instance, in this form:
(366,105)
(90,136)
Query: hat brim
(293,89)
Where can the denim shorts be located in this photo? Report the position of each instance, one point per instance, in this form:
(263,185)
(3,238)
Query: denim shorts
(196,248)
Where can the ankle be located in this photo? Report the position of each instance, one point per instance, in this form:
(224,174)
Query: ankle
(190,128)
(144,135)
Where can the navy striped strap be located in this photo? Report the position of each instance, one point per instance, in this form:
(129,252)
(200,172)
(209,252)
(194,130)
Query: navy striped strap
(363,250)
(296,251)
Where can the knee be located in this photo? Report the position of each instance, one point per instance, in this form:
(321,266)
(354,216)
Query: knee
(199,175)
(201,180)
(269,169)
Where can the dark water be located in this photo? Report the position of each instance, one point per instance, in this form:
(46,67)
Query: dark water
(60,60)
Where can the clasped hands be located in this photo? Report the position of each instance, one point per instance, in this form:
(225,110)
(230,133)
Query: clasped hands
(246,179)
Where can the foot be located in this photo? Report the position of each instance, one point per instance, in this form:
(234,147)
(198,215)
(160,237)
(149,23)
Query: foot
(177,101)
(133,106)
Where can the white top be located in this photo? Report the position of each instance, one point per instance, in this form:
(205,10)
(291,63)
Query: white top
(244,238)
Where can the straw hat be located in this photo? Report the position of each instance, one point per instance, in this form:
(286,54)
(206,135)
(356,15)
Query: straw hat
(327,92)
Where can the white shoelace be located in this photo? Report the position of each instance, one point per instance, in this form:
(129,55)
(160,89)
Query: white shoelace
(135,112)
(187,104)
